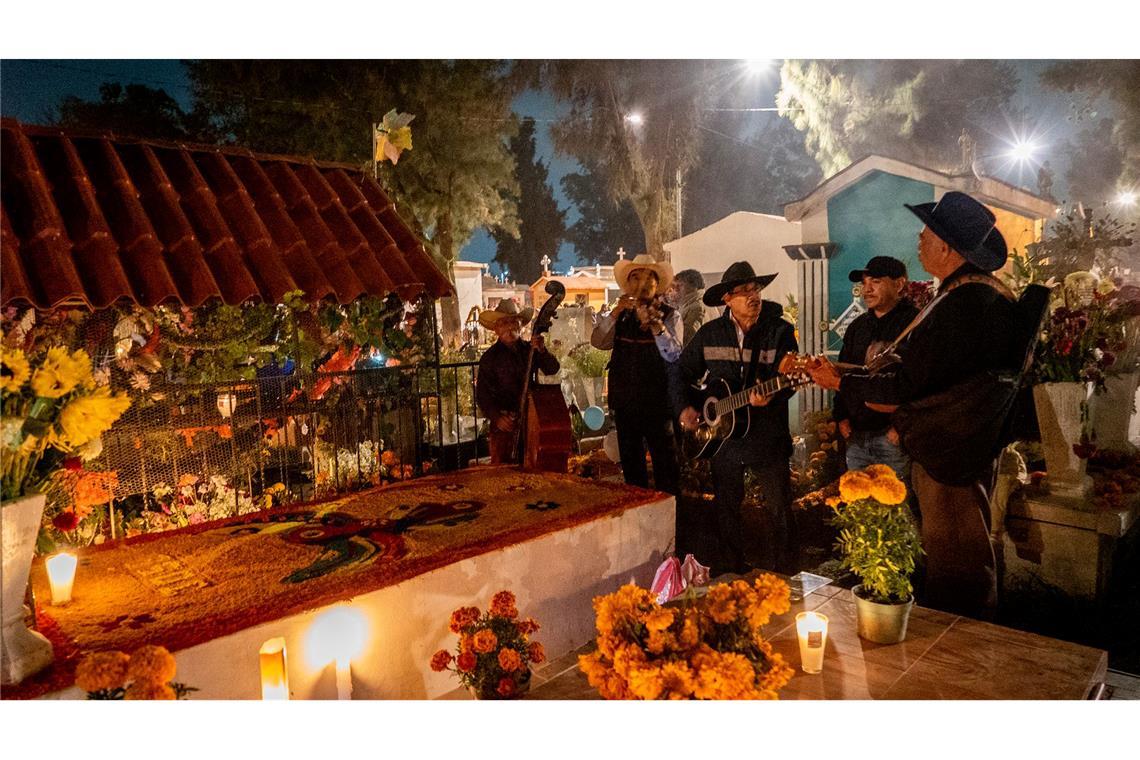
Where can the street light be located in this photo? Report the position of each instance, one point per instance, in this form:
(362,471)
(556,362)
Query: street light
(635,118)
(1022,150)
(1126,198)
(758,65)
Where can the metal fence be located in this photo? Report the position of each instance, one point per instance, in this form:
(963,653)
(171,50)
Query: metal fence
(297,436)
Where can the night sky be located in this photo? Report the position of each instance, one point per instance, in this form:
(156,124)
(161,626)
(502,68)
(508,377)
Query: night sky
(29,90)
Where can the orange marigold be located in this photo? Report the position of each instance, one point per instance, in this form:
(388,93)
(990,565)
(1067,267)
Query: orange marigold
(151,663)
(876,471)
(719,604)
(463,617)
(854,485)
(889,492)
(503,604)
(509,660)
(389,458)
(440,660)
(466,643)
(506,686)
(536,653)
(527,626)
(102,670)
(485,641)
(466,662)
(144,689)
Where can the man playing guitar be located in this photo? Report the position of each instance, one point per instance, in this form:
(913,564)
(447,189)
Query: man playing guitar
(744,345)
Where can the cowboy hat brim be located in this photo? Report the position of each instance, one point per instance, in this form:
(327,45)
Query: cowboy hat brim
(662,269)
(714,296)
(990,255)
(490,317)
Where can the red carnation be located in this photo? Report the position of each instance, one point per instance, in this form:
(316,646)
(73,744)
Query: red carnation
(74,464)
(506,687)
(66,521)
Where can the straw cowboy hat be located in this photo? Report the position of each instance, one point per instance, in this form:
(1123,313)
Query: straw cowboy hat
(662,269)
(966,226)
(506,308)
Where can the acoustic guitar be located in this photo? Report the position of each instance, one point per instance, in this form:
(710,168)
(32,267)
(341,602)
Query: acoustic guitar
(721,415)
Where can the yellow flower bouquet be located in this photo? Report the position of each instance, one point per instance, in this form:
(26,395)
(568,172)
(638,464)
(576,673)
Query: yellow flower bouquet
(51,410)
(144,675)
(709,647)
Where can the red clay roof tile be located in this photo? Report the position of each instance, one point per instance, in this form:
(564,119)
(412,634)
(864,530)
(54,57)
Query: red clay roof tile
(92,218)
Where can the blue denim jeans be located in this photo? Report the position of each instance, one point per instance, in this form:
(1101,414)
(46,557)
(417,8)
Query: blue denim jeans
(864,449)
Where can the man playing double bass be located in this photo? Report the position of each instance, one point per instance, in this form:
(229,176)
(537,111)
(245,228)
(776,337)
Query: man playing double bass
(502,374)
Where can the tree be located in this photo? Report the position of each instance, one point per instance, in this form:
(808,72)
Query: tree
(911,110)
(603,225)
(542,225)
(1118,81)
(761,172)
(458,177)
(1096,163)
(135,110)
(639,118)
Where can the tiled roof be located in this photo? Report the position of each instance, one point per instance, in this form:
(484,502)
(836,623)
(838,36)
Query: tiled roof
(92,218)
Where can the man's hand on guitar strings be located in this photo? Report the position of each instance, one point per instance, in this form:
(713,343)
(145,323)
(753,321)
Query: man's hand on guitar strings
(758,399)
(823,373)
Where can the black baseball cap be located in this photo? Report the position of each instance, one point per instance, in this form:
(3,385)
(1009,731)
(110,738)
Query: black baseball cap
(879,266)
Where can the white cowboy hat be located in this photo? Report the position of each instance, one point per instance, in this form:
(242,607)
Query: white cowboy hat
(662,269)
(506,308)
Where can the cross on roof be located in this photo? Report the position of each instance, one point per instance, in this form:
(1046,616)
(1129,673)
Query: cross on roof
(546,262)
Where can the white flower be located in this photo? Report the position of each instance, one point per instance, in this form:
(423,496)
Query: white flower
(92,449)
(12,432)
(140,381)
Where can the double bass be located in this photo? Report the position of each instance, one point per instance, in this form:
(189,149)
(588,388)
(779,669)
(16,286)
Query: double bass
(545,417)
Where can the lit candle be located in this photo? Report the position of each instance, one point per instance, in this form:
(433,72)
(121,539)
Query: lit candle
(274,672)
(61,575)
(812,630)
(343,678)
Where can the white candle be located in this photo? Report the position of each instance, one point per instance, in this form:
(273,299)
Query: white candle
(274,671)
(343,678)
(812,630)
(61,575)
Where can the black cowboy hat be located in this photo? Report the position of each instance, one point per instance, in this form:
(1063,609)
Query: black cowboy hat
(966,226)
(740,273)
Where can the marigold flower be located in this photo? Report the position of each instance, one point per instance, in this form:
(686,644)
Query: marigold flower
(888,492)
(87,416)
(854,485)
(721,606)
(463,617)
(506,686)
(466,662)
(536,653)
(659,619)
(440,660)
(144,689)
(485,641)
(151,663)
(877,471)
(503,604)
(509,660)
(102,670)
(527,626)
(389,459)
(14,370)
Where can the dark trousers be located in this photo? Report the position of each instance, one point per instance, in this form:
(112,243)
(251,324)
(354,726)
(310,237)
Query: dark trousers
(961,574)
(757,535)
(637,431)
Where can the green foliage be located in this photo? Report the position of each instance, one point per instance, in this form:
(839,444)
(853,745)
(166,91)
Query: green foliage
(541,225)
(880,545)
(135,110)
(1081,241)
(603,225)
(911,110)
(588,361)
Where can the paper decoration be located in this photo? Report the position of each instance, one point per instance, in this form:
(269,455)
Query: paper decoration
(393,136)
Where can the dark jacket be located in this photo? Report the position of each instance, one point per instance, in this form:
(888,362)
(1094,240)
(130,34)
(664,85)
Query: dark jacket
(498,387)
(637,380)
(714,350)
(868,329)
(971,330)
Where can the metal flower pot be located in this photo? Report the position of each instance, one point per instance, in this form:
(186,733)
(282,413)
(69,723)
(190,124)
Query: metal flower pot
(881,623)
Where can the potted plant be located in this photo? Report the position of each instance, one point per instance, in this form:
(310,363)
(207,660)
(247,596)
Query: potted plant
(707,647)
(52,410)
(879,543)
(494,652)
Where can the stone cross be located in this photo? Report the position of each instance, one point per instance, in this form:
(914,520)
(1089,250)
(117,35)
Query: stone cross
(545,261)
(621,253)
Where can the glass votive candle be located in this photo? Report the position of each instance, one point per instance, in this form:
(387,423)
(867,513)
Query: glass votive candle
(61,575)
(812,630)
(274,671)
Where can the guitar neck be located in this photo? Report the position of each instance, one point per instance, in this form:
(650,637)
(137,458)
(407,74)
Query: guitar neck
(739,400)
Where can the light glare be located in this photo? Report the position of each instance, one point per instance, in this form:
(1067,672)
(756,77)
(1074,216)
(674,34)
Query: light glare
(635,118)
(1126,198)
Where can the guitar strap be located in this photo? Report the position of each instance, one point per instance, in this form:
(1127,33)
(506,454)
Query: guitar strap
(984,279)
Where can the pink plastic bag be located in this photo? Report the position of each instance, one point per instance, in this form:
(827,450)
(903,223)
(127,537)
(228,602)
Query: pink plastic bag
(694,573)
(668,583)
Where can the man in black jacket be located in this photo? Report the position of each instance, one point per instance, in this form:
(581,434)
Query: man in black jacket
(644,334)
(969,329)
(741,347)
(869,435)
